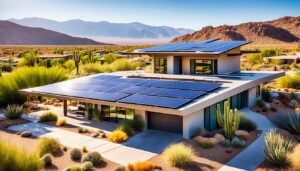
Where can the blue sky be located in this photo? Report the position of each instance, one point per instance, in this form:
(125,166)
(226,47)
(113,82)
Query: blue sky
(192,14)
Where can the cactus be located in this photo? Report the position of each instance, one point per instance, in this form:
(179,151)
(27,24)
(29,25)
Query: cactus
(229,121)
(77,59)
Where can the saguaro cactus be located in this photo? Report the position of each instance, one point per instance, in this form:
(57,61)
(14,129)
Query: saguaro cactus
(230,121)
(77,59)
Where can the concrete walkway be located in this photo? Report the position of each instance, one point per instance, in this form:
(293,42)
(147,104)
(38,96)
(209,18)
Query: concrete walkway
(117,153)
(253,155)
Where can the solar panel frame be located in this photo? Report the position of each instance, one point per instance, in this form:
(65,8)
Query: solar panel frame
(134,89)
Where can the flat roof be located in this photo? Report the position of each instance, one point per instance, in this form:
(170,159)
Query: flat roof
(284,57)
(54,55)
(229,85)
(210,46)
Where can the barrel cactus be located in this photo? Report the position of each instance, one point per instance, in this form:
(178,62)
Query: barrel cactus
(77,59)
(229,121)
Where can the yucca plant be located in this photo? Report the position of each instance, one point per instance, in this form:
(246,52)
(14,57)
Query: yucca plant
(13,111)
(229,121)
(289,122)
(277,148)
(77,60)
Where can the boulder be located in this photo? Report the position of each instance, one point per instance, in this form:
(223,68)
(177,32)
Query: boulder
(103,135)
(200,140)
(241,134)
(95,135)
(294,103)
(26,134)
(219,137)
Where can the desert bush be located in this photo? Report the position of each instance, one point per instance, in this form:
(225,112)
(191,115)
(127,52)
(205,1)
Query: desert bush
(140,166)
(246,124)
(73,168)
(48,145)
(48,117)
(294,158)
(206,144)
(13,111)
(289,122)
(94,68)
(289,81)
(225,143)
(255,58)
(294,96)
(110,57)
(266,96)
(47,160)
(178,154)
(87,166)
(120,168)
(61,122)
(121,65)
(126,127)
(13,158)
(6,67)
(238,142)
(69,64)
(138,123)
(84,149)
(148,69)
(118,136)
(260,102)
(94,157)
(27,77)
(277,148)
(75,154)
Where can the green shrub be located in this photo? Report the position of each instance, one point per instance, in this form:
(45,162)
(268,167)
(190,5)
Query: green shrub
(27,77)
(126,127)
(138,123)
(16,159)
(87,166)
(289,122)
(94,68)
(69,64)
(6,67)
(289,81)
(13,111)
(47,160)
(178,154)
(61,122)
(237,142)
(73,168)
(246,124)
(48,117)
(94,157)
(225,143)
(48,145)
(255,58)
(266,96)
(75,154)
(277,148)
(206,144)
(260,102)
(121,65)
(110,57)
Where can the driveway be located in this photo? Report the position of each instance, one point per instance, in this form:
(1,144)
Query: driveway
(153,141)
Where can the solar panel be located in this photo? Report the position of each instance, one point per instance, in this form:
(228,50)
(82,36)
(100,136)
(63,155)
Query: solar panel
(185,94)
(149,91)
(135,81)
(155,101)
(159,83)
(119,88)
(133,89)
(106,77)
(197,86)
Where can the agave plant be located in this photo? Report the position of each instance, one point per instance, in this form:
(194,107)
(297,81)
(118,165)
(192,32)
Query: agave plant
(289,122)
(277,148)
(13,111)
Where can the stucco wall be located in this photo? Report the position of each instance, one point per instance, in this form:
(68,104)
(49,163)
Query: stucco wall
(170,64)
(227,64)
(251,97)
(192,123)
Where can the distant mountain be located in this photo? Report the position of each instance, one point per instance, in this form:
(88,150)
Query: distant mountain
(89,29)
(14,34)
(282,30)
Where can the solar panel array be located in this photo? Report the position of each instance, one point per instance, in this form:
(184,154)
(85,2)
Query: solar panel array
(152,92)
(210,45)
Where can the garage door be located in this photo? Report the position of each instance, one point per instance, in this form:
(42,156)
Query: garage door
(164,122)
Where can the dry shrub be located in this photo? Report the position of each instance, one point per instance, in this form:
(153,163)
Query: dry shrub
(118,136)
(294,158)
(140,166)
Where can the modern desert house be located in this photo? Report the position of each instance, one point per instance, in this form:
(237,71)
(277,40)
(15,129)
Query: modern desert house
(188,81)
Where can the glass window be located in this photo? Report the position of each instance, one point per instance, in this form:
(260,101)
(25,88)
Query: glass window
(113,113)
(258,91)
(160,65)
(203,66)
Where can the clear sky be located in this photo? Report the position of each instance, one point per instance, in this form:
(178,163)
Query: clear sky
(192,14)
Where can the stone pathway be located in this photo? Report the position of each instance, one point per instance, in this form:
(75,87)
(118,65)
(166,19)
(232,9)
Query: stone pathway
(117,153)
(253,155)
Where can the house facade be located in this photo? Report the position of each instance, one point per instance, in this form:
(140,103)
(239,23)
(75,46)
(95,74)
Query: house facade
(187,82)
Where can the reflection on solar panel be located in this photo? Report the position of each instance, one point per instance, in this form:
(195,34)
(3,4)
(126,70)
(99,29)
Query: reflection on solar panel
(106,77)
(155,101)
(154,92)
(185,94)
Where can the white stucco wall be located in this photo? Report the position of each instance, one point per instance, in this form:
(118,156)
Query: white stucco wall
(252,97)
(227,64)
(170,64)
(192,123)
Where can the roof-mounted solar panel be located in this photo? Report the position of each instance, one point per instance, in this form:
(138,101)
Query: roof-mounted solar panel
(106,77)
(196,86)
(134,89)
(159,83)
(185,94)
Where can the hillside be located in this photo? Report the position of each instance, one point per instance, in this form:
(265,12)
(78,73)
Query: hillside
(14,34)
(282,30)
(104,29)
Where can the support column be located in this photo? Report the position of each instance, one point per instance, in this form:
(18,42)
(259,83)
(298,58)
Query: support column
(65,105)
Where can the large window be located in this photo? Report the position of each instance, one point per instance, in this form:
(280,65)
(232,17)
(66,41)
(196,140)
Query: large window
(160,65)
(112,113)
(203,66)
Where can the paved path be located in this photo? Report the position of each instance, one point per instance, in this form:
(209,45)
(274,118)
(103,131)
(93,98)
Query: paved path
(253,155)
(117,153)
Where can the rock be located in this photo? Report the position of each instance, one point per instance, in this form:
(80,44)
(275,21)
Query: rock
(200,140)
(95,135)
(103,135)
(219,137)
(26,134)
(100,131)
(241,133)
(213,141)
(18,133)
(267,106)
(228,150)
(294,103)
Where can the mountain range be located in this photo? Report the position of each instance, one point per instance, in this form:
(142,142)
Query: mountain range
(104,30)
(279,31)
(14,34)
